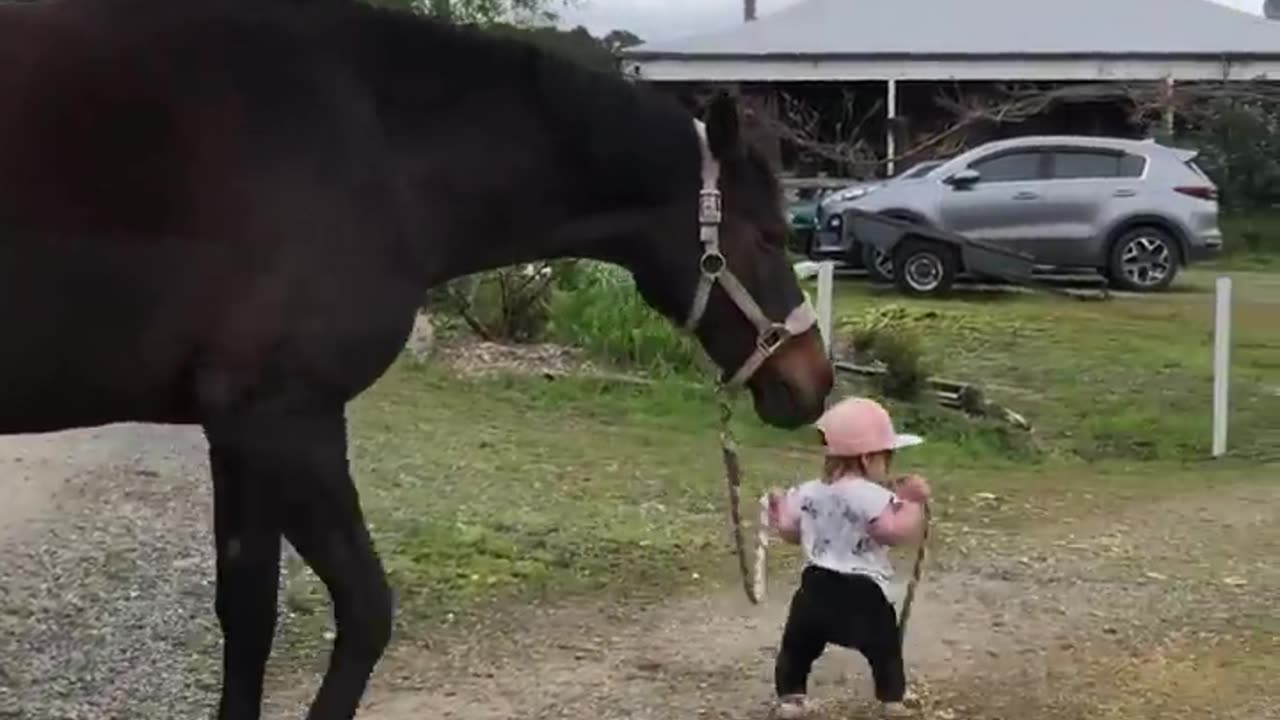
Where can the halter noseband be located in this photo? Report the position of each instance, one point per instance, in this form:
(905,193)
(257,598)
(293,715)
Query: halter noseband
(771,335)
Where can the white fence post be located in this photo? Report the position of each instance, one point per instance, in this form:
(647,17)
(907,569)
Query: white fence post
(826,282)
(1221,363)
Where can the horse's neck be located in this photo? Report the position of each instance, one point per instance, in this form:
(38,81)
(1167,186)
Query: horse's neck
(516,156)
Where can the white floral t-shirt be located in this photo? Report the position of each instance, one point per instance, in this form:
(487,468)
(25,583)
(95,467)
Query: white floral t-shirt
(833,520)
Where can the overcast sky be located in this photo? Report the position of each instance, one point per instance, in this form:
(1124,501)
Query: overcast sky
(670,19)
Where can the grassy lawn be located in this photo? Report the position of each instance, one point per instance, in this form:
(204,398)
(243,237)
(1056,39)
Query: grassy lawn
(1251,242)
(1128,379)
(484,490)
(491,494)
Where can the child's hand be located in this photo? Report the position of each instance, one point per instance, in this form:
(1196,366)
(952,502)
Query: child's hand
(775,507)
(782,516)
(913,488)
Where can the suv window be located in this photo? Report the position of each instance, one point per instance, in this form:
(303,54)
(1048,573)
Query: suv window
(920,170)
(1196,169)
(1009,167)
(1132,166)
(1075,164)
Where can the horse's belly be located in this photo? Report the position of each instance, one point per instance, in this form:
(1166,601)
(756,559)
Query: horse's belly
(89,337)
(75,379)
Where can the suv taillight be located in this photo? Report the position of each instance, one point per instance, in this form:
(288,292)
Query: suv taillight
(1204,192)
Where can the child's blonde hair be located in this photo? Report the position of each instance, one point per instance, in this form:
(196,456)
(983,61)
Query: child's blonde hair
(835,467)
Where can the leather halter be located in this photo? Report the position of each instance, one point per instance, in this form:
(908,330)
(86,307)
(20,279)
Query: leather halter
(771,334)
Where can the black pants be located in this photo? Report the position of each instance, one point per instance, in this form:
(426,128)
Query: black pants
(845,610)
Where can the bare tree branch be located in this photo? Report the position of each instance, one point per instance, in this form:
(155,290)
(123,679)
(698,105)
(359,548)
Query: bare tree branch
(462,306)
(801,125)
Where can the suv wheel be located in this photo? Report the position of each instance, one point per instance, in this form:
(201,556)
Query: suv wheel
(1144,259)
(922,267)
(878,264)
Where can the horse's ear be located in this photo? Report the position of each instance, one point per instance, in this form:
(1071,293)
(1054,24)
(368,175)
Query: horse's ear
(724,129)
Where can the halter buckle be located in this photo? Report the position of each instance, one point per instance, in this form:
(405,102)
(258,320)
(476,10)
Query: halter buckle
(772,338)
(712,263)
(709,210)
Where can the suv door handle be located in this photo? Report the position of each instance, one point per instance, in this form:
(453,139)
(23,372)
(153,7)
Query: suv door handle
(1125,192)
(1026,195)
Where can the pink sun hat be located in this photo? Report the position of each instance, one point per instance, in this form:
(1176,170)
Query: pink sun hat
(861,426)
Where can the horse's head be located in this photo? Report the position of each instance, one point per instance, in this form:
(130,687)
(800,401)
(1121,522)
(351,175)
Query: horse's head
(731,284)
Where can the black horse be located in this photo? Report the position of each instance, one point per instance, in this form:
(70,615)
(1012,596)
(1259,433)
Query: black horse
(226,212)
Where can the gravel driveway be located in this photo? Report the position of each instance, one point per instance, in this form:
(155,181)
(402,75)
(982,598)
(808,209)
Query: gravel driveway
(106,575)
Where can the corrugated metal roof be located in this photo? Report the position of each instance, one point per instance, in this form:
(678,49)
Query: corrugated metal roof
(988,27)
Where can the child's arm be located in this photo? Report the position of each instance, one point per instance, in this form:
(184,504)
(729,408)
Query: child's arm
(902,518)
(900,522)
(784,514)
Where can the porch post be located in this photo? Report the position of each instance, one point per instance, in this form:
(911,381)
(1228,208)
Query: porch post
(890,134)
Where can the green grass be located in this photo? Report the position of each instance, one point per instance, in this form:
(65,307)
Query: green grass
(485,491)
(491,494)
(1126,379)
(1251,234)
(599,310)
(486,488)
(1251,241)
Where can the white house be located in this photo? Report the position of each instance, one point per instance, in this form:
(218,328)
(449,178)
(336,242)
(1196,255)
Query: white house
(891,41)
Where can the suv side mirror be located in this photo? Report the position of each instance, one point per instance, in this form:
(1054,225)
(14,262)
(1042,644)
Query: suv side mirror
(964,178)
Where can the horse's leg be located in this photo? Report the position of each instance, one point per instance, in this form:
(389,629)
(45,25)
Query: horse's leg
(329,532)
(302,458)
(248,548)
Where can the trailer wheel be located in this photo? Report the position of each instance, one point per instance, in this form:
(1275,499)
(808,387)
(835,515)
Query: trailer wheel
(923,267)
(879,266)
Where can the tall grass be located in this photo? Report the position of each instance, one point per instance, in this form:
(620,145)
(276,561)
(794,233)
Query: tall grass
(1256,233)
(596,307)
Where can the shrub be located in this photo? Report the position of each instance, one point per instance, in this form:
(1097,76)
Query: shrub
(509,304)
(1254,233)
(595,306)
(884,337)
(1239,142)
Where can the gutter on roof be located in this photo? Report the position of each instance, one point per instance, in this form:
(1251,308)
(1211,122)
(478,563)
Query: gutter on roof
(819,57)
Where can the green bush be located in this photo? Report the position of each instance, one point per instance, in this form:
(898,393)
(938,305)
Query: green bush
(883,336)
(511,304)
(595,306)
(1251,234)
(1239,143)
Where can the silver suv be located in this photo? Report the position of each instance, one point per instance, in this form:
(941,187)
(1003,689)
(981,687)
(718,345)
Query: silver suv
(1134,210)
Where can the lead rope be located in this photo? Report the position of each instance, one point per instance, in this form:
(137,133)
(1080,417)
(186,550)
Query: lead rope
(916,571)
(752,583)
(753,579)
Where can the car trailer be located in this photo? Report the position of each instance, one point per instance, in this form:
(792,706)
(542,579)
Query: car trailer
(927,260)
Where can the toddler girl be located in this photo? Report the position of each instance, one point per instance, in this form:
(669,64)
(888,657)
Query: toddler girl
(845,521)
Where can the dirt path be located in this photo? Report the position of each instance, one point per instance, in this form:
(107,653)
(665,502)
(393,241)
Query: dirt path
(105,575)
(35,471)
(106,598)
(1073,633)
(712,658)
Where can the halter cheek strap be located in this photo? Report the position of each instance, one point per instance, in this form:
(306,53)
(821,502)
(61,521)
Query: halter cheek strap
(770,334)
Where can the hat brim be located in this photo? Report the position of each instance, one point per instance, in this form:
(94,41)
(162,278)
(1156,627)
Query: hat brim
(906,440)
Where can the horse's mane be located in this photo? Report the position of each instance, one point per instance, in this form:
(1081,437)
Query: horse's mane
(609,127)
(604,127)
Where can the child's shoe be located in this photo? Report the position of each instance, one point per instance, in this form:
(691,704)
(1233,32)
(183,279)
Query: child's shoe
(896,710)
(791,707)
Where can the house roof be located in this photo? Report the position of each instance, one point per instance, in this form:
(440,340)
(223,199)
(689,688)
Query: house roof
(868,28)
